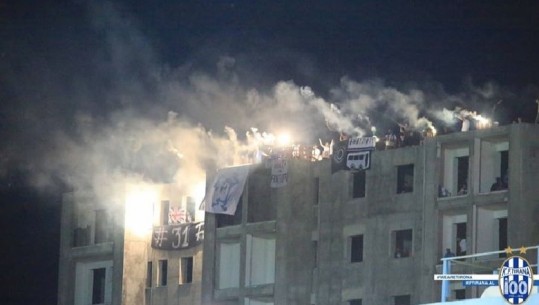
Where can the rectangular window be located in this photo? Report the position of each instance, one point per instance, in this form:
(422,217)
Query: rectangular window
(228,260)
(356,248)
(355,302)
(260,260)
(186,270)
(163,268)
(165,206)
(502,235)
(402,243)
(462,175)
(149,271)
(358,186)
(98,285)
(402,299)
(461,245)
(405,178)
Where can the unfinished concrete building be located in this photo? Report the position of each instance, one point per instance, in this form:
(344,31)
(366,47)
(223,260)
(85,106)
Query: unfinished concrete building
(376,236)
(110,255)
(348,238)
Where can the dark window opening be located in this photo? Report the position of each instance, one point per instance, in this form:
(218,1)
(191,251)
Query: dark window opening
(98,286)
(403,243)
(316,190)
(502,235)
(356,248)
(402,300)
(504,168)
(405,178)
(149,270)
(186,270)
(224,220)
(461,239)
(165,206)
(460,294)
(355,302)
(358,188)
(462,175)
(190,209)
(163,268)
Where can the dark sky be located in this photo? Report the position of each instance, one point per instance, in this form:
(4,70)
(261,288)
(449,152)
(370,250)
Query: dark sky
(61,61)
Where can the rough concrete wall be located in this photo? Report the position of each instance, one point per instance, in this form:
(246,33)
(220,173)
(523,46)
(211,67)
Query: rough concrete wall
(294,247)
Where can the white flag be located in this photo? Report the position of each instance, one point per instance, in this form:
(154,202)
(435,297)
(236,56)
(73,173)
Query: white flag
(226,190)
(279,172)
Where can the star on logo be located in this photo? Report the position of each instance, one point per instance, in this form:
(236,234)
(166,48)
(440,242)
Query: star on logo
(523,250)
(508,250)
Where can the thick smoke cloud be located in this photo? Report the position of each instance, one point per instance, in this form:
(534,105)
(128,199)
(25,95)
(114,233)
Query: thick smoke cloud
(126,115)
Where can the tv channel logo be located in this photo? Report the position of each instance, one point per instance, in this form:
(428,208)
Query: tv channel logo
(515,280)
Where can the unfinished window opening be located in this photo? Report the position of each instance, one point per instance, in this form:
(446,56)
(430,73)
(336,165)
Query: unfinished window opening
(224,220)
(190,207)
(460,294)
(98,285)
(461,245)
(355,302)
(502,235)
(163,268)
(149,271)
(494,165)
(402,243)
(492,227)
(358,186)
(165,206)
(455,171)
(356,248)
(454,230)
(186,270)
(402,299)
(405,178)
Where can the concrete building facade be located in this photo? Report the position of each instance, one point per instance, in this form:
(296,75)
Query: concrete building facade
(106,253)
(347,238)
(377,236)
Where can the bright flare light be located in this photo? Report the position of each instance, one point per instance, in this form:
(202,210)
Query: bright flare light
(284,139)
(139,209)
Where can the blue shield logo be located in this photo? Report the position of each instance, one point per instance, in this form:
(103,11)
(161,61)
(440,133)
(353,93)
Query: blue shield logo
(516,280)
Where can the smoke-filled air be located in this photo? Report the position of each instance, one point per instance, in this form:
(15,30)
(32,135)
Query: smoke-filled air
(134,117)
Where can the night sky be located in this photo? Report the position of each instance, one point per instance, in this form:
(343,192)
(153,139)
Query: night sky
(64,64)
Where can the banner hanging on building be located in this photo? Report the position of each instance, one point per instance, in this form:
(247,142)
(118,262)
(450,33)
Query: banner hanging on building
(178,237)
(224,194)
(352,154)
(279,172)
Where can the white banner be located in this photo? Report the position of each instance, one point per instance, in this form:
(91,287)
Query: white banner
(224,194)
(279,172)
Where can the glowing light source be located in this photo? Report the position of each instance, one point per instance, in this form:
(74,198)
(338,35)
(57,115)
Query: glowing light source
(139,203)
(284,139)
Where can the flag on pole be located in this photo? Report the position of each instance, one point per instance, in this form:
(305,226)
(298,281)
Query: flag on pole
(224,194)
